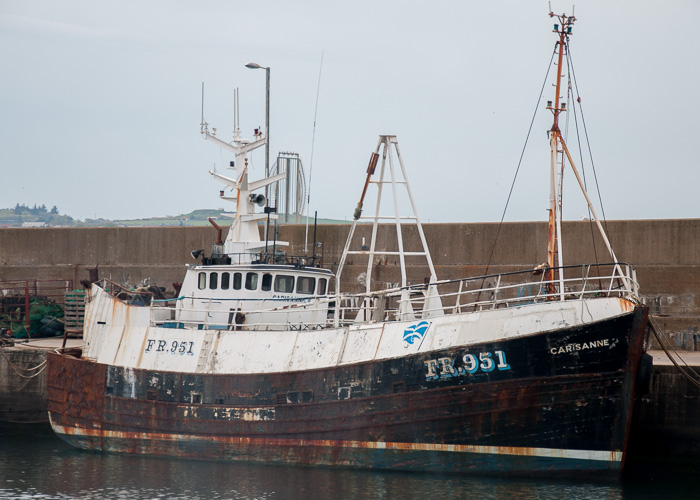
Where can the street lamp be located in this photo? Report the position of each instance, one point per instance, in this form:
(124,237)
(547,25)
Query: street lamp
(267,118)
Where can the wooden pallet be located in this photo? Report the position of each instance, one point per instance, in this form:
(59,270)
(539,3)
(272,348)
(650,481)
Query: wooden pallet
(74,313)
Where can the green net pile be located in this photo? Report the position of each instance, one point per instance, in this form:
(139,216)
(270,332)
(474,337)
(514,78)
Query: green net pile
(45,317)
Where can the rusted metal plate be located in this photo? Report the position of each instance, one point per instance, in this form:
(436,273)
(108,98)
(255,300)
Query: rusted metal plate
(557,402)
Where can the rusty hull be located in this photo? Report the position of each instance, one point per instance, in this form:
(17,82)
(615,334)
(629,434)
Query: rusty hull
(543,416)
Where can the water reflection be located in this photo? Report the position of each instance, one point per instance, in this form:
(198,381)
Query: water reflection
(43,467)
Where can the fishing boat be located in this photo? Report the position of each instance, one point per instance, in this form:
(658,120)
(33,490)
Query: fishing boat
(264,358)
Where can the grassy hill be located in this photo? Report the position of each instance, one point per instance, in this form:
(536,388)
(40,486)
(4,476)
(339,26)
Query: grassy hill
(23,215)
(194,218)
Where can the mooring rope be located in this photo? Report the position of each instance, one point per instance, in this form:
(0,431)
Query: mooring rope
(41,366)
(659,336)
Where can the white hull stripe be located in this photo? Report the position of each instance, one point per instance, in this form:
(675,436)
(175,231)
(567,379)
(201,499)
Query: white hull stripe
(594,455)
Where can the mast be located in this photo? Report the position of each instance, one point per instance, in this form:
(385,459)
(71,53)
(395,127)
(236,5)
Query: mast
(554,244)
(559,151)
(243,242)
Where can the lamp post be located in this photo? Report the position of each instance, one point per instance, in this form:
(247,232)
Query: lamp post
(267,119)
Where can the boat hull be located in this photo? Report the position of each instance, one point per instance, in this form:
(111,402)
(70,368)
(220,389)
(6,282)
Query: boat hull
(554,402)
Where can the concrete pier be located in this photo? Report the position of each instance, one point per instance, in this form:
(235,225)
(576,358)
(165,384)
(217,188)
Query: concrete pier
(23,379)
(664,438)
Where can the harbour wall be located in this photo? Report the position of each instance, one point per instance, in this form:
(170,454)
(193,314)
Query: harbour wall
(22,385)
(665,253)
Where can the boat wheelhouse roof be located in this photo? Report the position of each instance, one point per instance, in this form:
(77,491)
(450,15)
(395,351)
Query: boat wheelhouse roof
(262,267)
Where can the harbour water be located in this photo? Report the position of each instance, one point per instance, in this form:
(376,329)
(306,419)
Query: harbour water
(34,464)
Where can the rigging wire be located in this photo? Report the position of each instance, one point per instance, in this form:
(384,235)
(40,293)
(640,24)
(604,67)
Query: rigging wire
(560,205)
(520,161)
(686,371)
(569,65)
(590,152)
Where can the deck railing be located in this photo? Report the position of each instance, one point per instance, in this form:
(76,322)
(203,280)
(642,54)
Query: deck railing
(490,292)
(422,301)
(139,296)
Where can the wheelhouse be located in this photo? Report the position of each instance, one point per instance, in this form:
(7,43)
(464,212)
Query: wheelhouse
(225,282)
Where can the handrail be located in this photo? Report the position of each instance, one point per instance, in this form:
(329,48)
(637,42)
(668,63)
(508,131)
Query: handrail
(456,296)
(263,257)
(125,295)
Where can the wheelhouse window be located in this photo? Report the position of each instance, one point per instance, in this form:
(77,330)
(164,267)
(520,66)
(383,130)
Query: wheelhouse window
(202,281)
(322,284)
(284,283)
(306,284)
(266,285)
(213,281)
(251,281)
(225,280)
(237,281)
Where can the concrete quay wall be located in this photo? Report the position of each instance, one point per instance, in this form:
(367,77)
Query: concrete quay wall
(665,423)
(665,253)
(22,385)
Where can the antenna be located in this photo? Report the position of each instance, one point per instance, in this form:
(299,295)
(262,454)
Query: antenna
(202,123)
(236,117)
(311,161)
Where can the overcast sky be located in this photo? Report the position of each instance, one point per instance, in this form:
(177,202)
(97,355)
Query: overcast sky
(100,102)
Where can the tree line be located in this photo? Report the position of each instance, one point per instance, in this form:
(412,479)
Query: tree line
(36,210)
